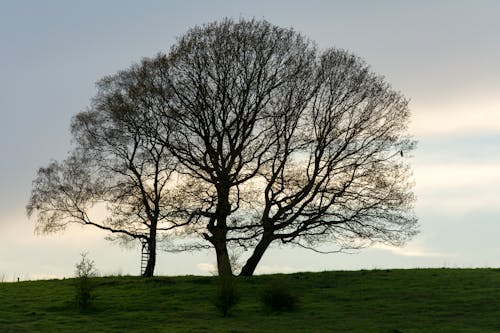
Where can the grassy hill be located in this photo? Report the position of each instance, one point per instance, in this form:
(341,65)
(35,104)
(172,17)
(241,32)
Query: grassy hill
(408,301)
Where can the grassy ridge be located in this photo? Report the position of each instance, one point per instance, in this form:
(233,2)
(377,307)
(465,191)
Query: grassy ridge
(408,301)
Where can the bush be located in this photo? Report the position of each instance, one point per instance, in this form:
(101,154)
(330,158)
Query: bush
(277,296)
(227,295)
(85,270)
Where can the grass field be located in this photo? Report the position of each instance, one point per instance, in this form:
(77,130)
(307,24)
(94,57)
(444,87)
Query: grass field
(420,300)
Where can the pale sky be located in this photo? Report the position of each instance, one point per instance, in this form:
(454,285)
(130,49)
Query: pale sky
(443,55)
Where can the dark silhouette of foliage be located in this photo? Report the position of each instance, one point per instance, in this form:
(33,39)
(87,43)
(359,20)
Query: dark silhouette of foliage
(227,295)
(277,296)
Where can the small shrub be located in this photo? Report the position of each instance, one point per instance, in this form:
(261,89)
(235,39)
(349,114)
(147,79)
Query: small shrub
(85,270)
(227,295)
(277,296)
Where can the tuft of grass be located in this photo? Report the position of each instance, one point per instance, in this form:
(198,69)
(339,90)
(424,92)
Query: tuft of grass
(409,301)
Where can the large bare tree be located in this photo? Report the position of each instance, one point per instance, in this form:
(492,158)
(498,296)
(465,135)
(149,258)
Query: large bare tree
(117,176)
(294,145)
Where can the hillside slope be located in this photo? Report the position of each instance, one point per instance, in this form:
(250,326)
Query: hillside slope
(409,301)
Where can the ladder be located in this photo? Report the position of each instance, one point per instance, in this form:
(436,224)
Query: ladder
(144,255)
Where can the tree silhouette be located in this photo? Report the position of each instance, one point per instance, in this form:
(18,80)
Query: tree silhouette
(295,145)
(246,135)
(116,177)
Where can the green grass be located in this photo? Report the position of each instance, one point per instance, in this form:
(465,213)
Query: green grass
(380,301)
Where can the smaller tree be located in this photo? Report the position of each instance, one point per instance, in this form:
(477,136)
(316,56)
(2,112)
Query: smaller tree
(117,176)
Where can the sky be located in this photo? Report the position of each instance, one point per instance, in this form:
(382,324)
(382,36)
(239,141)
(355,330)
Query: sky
(443,55)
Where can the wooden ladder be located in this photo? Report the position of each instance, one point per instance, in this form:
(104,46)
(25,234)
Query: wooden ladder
(144,256)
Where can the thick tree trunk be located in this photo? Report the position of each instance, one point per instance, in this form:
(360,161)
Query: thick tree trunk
(223,263)
(252,262)
(219,231)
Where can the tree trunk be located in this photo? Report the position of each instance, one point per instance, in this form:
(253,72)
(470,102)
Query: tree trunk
(219,231)
(219,241)
(223,263)
(252,262)
(150,266)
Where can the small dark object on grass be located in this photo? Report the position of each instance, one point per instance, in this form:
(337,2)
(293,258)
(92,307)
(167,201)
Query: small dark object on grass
(277,296)
(227,295)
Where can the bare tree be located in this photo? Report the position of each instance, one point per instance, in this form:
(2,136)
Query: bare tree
(296,146)
(117,176)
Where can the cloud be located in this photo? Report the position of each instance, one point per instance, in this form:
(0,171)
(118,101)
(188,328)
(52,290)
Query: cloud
(273,269)
(39,276)
(409,251)
(261,269)
(458,176)
(458,188)
(206,267)
(456,117)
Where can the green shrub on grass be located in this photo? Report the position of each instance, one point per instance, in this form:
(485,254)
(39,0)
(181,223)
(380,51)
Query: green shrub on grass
(85,271)
(227,295)
(277,296)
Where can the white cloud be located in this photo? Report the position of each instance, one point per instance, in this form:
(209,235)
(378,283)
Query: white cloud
(458,176)
(39,276)
(409,251)
(471,116)
(458,188)
(206,267)
(459,204)
(273,269)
